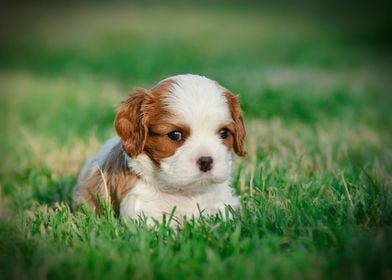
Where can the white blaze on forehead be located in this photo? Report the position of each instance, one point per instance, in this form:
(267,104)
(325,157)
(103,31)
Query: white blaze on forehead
(198,101)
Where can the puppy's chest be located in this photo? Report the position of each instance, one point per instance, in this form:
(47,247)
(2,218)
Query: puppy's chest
(151,202)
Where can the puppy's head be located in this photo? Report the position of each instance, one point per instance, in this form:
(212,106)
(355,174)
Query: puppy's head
(183,131)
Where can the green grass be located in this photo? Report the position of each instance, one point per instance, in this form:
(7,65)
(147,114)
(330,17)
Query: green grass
(315,186)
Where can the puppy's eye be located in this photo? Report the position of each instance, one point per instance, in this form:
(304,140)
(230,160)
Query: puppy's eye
(175,135)
(223,133)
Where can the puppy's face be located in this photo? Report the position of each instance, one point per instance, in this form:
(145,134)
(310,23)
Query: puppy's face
(182,132)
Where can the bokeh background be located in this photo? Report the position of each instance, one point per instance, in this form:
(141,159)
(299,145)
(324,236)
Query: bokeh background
(314,81)
(65,66)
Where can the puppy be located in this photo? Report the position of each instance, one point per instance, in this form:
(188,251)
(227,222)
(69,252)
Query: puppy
(174,149)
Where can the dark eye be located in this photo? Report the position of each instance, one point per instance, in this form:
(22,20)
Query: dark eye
(223,133)
(175,135)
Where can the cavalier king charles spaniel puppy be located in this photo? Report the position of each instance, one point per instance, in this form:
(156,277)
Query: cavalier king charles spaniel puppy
(174,149)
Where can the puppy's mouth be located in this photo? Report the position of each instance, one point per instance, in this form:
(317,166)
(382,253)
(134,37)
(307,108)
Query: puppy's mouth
(208,177)
(197,182)
(205,179)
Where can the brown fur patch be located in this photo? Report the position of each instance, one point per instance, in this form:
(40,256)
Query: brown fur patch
(110,183)
(143,122)
(229,141)
(239,129)
(130,123)
(159,145)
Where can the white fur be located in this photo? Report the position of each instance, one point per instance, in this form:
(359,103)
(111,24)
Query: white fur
(147,200)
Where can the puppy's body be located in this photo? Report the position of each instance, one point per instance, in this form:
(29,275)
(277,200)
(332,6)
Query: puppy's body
(174,149)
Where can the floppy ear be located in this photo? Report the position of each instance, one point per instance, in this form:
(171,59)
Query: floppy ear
(130,123)
(239,133)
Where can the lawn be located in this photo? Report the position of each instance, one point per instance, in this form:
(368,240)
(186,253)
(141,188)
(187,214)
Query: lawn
(315,187)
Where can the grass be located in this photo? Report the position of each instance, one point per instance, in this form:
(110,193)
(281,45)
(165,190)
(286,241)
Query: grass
(315,187)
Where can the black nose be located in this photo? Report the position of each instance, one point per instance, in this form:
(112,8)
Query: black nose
(205,163)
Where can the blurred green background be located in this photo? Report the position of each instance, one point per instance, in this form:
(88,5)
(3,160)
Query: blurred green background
(314,81)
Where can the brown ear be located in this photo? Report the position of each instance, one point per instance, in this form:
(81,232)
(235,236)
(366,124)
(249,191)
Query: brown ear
(130,124)
(239,134)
